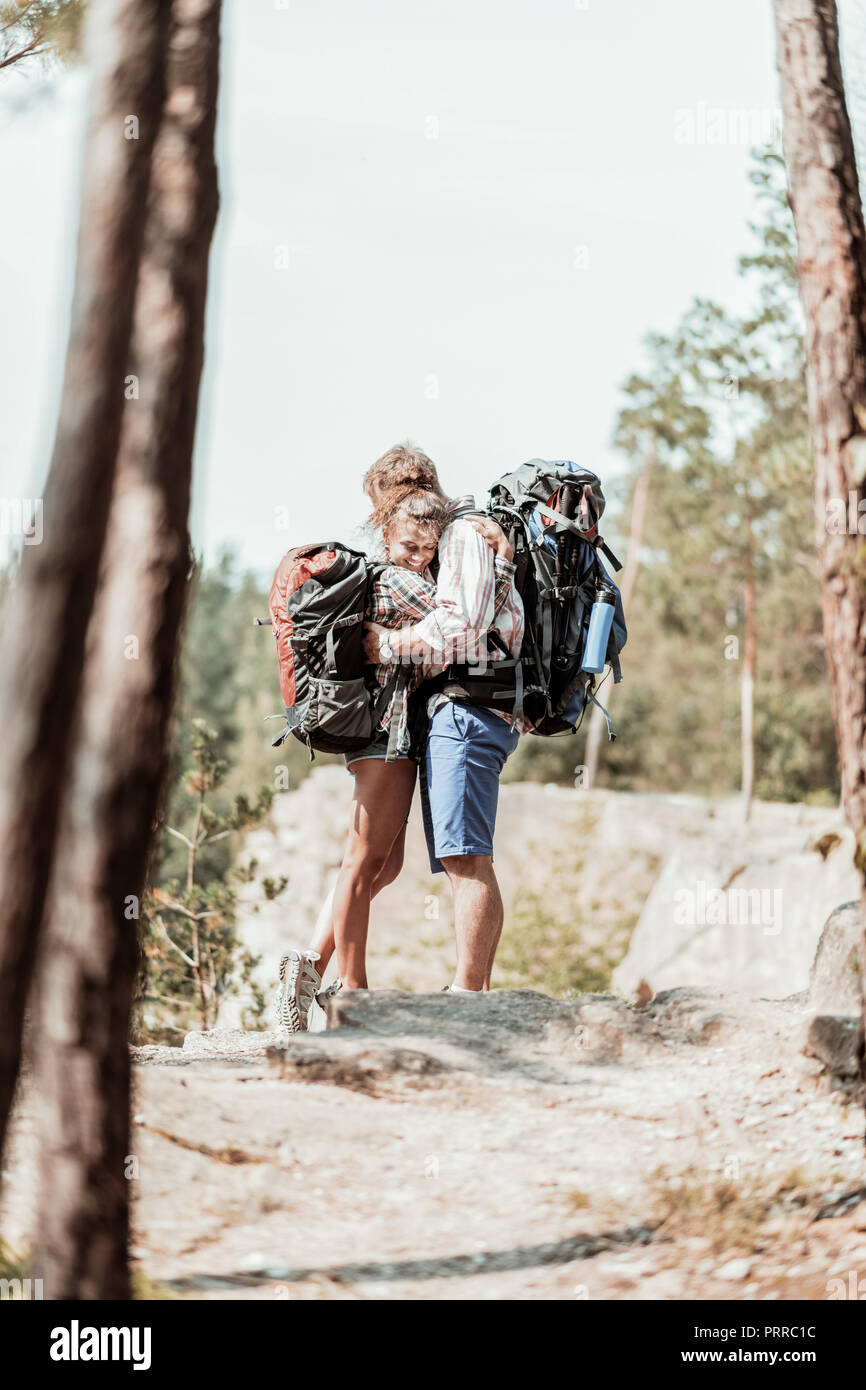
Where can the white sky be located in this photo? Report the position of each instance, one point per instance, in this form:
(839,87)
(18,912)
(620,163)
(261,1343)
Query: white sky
(417,264)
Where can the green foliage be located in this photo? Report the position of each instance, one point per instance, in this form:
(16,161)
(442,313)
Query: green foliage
(541,950)
(721,410)
(12,1265)
(228,677)
(191,955)
(147,1290)
(33,31)
(220,748)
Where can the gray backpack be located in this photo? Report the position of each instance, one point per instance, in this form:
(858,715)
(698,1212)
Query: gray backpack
(318,602)
(550,513)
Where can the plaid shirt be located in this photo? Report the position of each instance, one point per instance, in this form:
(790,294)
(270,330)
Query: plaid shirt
(473,595)
(468,602)
(402,598)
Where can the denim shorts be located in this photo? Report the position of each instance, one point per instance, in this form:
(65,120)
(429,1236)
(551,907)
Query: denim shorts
(466,751)
(378,745)
(376,748)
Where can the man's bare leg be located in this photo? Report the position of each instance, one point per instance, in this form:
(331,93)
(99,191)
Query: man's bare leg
(478,917)
(493,949)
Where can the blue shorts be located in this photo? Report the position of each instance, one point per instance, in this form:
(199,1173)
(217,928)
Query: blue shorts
(466,751)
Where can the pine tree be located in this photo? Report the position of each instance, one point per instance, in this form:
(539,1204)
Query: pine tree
(831,237)
(39,30)
(191,952)
(116,776)
(56,585)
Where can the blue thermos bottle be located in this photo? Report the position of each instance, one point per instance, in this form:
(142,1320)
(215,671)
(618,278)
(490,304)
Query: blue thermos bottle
(598,632)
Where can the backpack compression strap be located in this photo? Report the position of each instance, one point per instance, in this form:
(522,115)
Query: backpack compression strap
(494,640)
(396,693)
(560,519)
(610,733)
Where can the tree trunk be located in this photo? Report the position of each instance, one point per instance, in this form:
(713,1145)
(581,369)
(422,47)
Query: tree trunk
(747,684)
(825,199)
(48,611)
(90,948)
(635,540)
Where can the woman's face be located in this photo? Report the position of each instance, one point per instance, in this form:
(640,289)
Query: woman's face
(410,546)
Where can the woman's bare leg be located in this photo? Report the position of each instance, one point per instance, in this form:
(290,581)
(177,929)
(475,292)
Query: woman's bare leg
(383,795)
(322,940)
(323,934)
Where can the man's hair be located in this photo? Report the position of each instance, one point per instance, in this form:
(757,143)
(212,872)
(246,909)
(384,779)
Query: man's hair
(409,503)
(402,465)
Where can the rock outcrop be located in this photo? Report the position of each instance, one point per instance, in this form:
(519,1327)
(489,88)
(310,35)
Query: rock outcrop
(834,980)
(831,1029)
(593,863)
(832,1040)
(512,1146)
(743,909)
(506,1146)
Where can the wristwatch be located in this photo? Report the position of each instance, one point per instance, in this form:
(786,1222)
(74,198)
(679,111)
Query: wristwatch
(386,651)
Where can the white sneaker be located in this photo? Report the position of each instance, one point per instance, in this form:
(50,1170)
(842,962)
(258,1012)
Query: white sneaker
(317,1019)
(299,981)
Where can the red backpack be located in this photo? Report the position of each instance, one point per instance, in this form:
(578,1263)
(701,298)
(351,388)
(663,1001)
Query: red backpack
(318,604)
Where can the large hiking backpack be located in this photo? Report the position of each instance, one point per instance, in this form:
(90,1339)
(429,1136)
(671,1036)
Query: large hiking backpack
(550,513)
(317,605)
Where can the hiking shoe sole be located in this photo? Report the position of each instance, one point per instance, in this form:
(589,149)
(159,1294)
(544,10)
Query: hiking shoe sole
(299,981)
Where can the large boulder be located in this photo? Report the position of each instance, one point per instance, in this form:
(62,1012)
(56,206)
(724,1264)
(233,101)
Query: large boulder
(834,980)
(390,1041)
(743,912)
(832,1039)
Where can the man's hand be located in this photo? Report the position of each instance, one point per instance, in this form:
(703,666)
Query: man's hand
(493,534)
(375,637)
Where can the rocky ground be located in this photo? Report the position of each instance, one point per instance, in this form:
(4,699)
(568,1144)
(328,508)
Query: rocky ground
(591,880)
(528,1144)
(507,1146)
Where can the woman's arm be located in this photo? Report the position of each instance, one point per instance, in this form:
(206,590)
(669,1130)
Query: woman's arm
(401,596)
(419,598)
(464,602)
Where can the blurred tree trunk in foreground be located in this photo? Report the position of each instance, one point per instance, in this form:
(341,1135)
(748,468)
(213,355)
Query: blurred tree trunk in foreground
(90,943)
(750,661)
(825,199)
(597,721)
(47,614)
